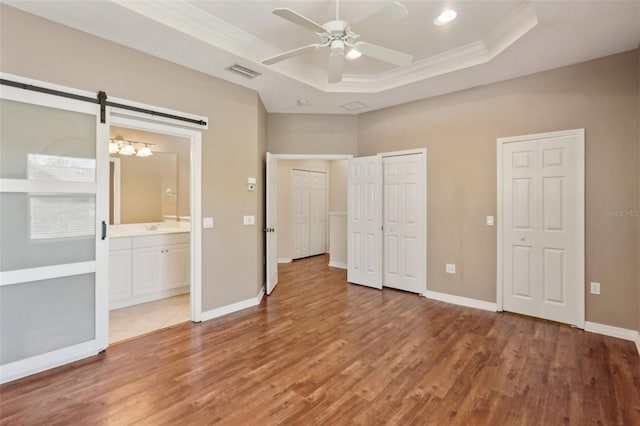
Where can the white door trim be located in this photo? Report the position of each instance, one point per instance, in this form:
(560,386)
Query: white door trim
(195,188)
(422,214)
(580,133)
(116,189)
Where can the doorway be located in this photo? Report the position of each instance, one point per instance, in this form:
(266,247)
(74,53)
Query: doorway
(280,215)
(150,230)
(541,231)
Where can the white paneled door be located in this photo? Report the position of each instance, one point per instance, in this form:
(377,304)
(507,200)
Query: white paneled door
(364,222)
(403,178)
(542,227)
(309,201)
(271,224)
(54,205)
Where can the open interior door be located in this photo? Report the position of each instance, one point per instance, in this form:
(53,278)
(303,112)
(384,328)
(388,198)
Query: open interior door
(271,223)
(364,222)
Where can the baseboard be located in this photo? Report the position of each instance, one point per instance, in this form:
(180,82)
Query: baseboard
(260,295)
(234,307)
(638,343)
(611,331)
(335,264)
(144,298)
(462,301)
(285,260)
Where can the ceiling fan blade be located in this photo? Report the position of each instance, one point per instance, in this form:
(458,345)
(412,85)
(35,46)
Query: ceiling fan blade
(336,61)
(290,54)
(382,53)
(390,12)
(300,20)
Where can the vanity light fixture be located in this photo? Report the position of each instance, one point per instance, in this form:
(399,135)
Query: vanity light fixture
(122,146)
(127,149)
(445,17)
(144,151)
(113,147)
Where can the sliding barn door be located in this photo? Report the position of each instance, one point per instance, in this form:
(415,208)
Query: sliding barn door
(53,201)
(364,244)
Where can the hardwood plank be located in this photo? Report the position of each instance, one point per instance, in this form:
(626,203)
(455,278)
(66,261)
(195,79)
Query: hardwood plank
(321,351)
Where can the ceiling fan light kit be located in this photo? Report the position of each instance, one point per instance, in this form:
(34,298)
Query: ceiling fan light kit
(337,35)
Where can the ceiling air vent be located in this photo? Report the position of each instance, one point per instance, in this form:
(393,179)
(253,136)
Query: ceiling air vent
(244,72)
(354,106)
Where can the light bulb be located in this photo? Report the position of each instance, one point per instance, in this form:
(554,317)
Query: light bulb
(445,17)
(353,54)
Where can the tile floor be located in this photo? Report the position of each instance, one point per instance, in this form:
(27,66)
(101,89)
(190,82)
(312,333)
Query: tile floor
(139,319)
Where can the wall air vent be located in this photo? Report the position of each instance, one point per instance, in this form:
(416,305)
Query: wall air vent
(354,106)
(244,72)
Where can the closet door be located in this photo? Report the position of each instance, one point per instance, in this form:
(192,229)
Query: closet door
(403,187)
(53,201)
(542,226)
(300,185)
(317,213)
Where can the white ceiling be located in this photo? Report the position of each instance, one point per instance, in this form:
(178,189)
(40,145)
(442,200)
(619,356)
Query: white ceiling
(489,41)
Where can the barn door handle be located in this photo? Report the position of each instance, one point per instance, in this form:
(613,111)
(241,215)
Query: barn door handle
(104,230)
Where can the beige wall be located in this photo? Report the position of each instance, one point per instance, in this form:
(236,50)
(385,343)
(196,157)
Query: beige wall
(39,49)
(165,143)
(284,206)
(460,130)
(338,186)
(312,134)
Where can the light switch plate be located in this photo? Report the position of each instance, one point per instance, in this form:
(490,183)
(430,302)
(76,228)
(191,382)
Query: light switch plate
(595,288)
(251,181)
(207,222)
(450,268)
(489,220)
(249,220)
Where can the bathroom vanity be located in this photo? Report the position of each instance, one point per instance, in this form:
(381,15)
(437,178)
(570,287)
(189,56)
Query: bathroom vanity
(148,262)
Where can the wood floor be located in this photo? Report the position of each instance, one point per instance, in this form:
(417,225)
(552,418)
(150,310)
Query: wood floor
(319,351)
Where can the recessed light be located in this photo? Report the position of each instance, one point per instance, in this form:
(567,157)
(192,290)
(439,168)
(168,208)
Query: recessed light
(303,102)
(353,54)
(445,17)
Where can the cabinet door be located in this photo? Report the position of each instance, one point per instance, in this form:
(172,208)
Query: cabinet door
(148,270)
(177,260)
(119,274)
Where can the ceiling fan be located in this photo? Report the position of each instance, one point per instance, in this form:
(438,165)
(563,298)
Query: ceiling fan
(337,34)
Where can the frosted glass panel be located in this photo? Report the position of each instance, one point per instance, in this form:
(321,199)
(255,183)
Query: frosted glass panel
(46,229)
(42,316)
(62,144)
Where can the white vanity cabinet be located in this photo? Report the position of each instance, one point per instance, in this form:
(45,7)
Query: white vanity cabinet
(119,269)
(158,268)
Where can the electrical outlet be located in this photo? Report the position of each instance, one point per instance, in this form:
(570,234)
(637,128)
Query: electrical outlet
(595,288)
(450,268)
(489,220)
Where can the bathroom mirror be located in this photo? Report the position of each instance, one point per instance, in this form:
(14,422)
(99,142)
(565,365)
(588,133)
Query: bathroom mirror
(143,189)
